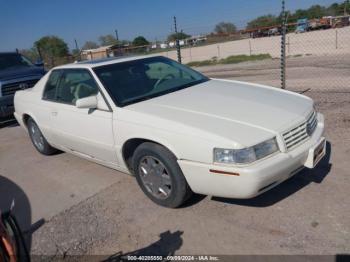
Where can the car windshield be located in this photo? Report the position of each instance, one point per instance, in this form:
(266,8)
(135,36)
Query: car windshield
(142,79)
(8,61)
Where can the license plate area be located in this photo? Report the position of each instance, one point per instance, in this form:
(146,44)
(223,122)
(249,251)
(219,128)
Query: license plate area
(316,153)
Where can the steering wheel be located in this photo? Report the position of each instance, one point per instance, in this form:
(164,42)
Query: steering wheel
(160,80)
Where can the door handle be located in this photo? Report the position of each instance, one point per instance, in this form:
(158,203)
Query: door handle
(54,113)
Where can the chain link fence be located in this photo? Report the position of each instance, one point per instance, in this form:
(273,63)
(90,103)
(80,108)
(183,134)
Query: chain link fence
(254,60)
(316,61)
(319,60)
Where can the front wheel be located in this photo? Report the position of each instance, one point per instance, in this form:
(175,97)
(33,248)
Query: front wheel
(38,139)
(159,175)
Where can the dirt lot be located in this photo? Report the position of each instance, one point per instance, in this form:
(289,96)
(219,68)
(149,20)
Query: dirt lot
(319,73)
(90,209)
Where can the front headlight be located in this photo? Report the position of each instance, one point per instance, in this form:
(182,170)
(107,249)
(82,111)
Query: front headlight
(245,155)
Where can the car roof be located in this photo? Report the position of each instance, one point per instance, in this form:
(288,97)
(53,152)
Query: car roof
(103,61)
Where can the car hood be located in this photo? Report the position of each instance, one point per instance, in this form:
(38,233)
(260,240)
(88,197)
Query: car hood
(237,111)
(20,72)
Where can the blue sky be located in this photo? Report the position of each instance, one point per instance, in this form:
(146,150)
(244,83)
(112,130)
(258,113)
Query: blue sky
(22,22)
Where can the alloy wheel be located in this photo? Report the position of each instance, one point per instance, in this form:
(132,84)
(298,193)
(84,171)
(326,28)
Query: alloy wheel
(37,137)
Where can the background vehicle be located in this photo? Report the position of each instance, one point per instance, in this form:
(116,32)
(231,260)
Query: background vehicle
(340,21)
(16,73)
(302,25)
(260,33)
(317,24)
(274,31)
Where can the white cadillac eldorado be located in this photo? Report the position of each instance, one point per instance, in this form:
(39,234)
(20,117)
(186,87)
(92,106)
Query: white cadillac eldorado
(174,129)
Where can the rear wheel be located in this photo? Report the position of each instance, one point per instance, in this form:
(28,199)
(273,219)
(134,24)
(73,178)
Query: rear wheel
(159,175)
(38,140)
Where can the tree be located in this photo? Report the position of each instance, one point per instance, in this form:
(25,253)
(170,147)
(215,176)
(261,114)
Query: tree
(179,36)
(31,53)
(315,11)
(262,21)
(140,41)
(225,28)
(51,47)
(124,42)
(75,52)
(89,45)
(338,9)
(107,40)
(333,9)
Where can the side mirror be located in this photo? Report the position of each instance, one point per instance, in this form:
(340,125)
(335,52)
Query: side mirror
(89,102)
(39,63)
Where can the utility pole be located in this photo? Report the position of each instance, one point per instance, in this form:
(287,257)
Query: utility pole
(283,47)
(39,52)
(77,48)
(346,3)
(344,10)
(116,35)
(118,44)
(178,49)
(76,44)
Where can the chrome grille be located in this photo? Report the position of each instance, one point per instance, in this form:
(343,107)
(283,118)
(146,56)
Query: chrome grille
(11,88)
(301,133)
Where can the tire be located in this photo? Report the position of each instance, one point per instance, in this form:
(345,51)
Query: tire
(38,139)
(159,175)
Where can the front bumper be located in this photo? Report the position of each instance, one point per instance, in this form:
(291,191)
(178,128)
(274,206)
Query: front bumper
(253,179)
(6,106)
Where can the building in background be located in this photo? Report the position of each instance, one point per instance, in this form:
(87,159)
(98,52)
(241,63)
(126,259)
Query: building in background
(104,51)
(100,52)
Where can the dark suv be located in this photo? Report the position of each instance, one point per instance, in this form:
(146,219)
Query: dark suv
(16,73)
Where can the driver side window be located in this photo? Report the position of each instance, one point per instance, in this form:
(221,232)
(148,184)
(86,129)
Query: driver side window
(75,84)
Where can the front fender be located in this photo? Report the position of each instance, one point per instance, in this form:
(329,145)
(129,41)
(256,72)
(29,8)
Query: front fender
(184,147)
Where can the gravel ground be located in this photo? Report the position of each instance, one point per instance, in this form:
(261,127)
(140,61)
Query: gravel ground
(318,73)
(308,214)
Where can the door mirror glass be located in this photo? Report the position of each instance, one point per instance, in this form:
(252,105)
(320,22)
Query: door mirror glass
(89,102)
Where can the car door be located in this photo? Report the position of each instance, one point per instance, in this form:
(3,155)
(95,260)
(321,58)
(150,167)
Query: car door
(85,131)
(47,105)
